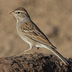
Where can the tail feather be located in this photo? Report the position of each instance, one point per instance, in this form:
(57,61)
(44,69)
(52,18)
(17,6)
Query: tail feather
(57,54)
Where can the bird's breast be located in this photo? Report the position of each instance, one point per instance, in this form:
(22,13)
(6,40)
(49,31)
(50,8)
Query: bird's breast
(24,37)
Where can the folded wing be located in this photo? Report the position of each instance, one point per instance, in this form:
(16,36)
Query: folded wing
(33,32)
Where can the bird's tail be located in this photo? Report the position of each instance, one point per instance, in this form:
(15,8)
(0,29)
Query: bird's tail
(57,54)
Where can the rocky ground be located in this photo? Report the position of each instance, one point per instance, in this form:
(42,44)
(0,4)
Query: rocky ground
(36,62)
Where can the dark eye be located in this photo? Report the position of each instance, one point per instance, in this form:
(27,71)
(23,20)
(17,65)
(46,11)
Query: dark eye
(18,12)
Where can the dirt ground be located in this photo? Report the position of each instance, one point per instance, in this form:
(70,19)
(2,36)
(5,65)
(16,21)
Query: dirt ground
(53,17)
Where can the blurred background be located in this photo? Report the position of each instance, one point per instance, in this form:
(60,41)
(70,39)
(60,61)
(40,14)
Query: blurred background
(53,17)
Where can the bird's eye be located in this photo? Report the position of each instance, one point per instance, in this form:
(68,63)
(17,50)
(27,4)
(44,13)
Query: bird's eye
(18,12)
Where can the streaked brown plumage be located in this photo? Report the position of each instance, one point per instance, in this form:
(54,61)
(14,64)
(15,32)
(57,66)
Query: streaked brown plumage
(34,32)
(31,34)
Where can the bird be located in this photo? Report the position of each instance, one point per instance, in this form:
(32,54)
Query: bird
(31,34)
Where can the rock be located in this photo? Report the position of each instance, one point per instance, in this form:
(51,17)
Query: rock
(36,62)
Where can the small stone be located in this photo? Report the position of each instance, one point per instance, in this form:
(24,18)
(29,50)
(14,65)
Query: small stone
(31,65)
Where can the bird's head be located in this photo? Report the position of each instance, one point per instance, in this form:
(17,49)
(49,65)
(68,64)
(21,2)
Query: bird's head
(20,13)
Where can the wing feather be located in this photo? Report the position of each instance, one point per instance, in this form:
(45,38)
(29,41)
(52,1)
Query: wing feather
(33,32)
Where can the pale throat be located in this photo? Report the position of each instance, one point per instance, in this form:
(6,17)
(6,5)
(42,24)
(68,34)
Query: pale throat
(23,20)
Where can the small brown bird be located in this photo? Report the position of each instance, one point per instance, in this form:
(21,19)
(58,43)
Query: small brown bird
(31,34)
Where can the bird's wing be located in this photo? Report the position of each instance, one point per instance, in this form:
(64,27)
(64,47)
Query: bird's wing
(33,32)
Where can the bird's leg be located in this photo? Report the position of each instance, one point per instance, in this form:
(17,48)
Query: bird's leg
(24,52)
